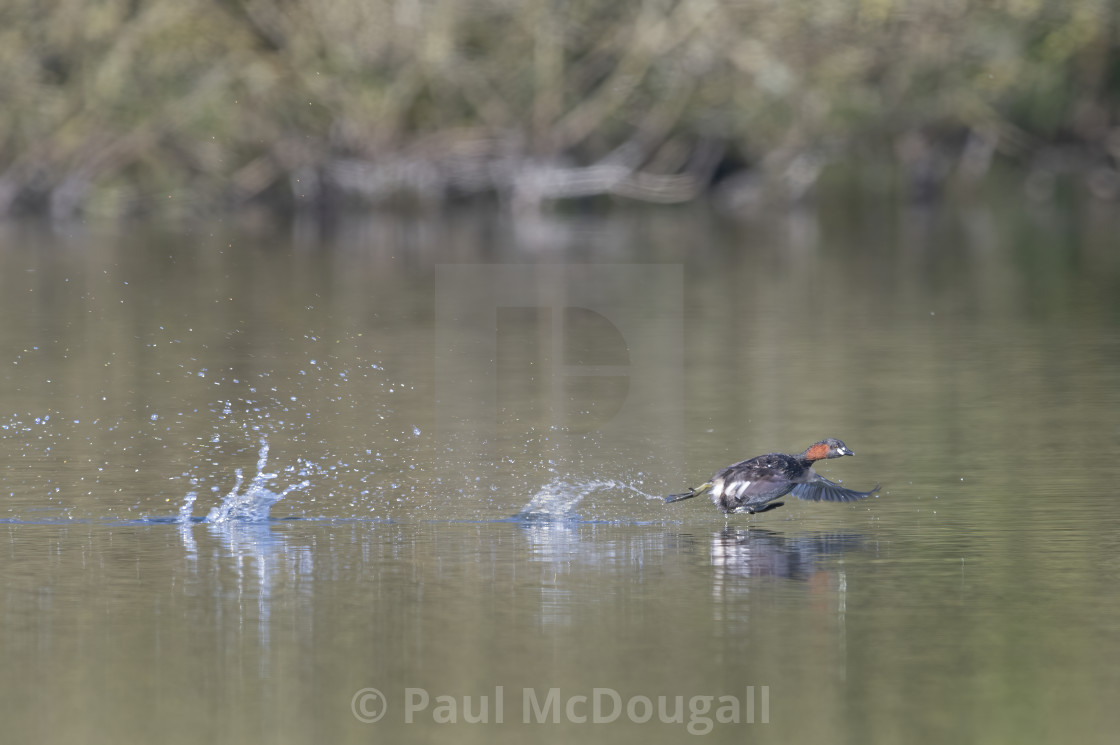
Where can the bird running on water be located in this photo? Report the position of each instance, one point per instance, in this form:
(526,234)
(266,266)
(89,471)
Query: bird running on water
(751,486)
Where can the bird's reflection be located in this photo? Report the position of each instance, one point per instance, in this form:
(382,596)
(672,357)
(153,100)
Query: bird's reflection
(743,559)
(755,552)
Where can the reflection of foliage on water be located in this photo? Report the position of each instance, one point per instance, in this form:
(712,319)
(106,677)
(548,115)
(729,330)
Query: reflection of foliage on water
(172,105)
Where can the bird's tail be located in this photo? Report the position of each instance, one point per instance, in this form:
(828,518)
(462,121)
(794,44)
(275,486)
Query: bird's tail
(693,492)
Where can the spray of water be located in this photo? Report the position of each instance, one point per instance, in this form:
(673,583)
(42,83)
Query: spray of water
(558,499)
(251,505)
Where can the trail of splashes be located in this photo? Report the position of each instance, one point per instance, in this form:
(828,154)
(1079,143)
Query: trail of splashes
(253,504)
(187,506)
(558,499)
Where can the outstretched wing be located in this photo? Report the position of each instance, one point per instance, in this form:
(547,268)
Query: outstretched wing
(823,490)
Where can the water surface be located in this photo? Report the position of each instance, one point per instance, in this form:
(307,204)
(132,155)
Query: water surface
(251,472)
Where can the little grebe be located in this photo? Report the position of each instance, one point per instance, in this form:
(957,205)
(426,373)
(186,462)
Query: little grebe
(752,485)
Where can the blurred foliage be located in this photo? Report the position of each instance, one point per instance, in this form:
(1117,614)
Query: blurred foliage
(121,106)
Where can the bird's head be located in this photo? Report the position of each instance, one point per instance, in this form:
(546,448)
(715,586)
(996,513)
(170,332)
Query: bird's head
(830,448)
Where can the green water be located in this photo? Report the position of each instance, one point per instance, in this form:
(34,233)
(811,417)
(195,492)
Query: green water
(429,377)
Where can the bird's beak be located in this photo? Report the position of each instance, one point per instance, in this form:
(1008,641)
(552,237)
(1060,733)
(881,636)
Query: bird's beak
(845,451)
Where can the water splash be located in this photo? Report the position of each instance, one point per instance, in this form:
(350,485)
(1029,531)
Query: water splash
(558,499)
(252,505)
(187,506)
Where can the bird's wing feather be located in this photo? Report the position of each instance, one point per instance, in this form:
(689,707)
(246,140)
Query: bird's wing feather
(823,490)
